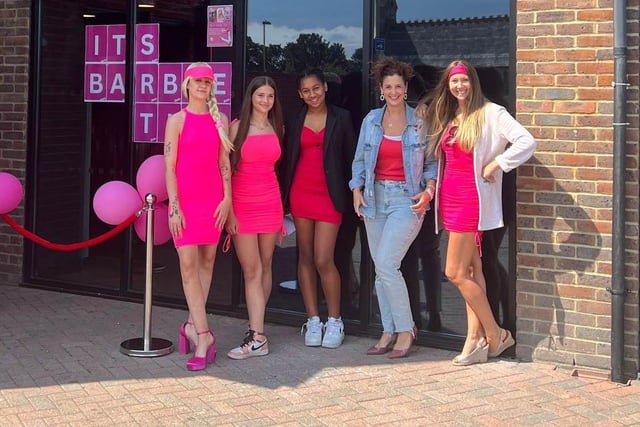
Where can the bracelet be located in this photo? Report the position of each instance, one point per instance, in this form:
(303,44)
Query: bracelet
(429,191)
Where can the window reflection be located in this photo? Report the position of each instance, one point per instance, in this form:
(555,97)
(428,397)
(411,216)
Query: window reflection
(429,34)
(284,38)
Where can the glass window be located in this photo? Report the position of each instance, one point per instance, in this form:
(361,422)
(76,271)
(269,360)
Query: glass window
(429,34)
(284,38)
(80,146)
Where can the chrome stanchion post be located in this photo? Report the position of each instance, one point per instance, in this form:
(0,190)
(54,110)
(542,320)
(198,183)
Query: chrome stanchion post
(147,346)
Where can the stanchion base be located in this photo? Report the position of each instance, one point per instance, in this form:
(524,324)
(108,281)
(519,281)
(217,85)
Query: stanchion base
(134,347)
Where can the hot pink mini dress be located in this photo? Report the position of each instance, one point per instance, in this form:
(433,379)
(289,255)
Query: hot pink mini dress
(257,203)
(199,181)
(310,197)
(459,203)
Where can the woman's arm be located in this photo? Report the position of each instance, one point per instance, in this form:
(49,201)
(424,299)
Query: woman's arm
(357,166)
(172,133)
(231,224)
(222,211)
(522,142)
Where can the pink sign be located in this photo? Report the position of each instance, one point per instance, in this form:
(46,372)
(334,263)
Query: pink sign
(170,80)
(157,86)
(95,43)
(147,42)
(222,85)
(104,56)
(220,26)
(146,122)
(146,82)
(169,97)
(117,45)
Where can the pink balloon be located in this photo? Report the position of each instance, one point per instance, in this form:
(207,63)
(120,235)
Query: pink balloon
(115,201)
(161,233)
(10,192)
(150,178)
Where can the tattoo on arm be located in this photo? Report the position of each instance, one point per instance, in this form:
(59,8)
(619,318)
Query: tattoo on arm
(174,207)
(167,148)
(224,172)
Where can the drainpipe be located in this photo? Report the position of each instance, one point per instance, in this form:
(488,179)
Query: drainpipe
(618,291)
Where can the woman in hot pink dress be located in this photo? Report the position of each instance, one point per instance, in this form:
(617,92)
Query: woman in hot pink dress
(196,150)
(469,135)
(256,219)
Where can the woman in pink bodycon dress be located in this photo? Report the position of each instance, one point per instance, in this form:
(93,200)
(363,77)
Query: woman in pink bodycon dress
(256,220)
(198,171)
(469,135)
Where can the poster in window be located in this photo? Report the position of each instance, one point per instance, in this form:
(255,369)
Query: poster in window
(220,26)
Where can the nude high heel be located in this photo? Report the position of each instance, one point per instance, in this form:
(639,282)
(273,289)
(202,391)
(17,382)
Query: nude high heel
(479,355)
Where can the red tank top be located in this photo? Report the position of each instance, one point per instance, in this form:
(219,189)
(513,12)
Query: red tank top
(389,164)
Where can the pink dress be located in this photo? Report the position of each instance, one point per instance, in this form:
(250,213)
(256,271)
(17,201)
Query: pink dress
(459,203)
(310,197)
(199,181)
(255,191)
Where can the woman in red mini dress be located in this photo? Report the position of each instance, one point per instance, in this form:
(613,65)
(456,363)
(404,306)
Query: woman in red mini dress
(255,222)
(319,150)
(470,135)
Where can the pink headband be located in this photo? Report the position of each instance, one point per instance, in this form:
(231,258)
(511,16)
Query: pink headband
(199,72)
(457,69)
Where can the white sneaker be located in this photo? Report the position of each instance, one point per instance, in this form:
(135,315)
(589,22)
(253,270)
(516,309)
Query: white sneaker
(250,347)
(313,336)
(333,333)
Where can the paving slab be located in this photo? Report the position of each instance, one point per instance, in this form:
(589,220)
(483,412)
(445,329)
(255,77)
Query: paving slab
(60,365)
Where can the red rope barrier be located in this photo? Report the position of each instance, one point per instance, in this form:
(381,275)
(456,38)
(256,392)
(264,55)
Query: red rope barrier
(71,246)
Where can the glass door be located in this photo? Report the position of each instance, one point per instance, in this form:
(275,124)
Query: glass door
(284,38)
(429,34)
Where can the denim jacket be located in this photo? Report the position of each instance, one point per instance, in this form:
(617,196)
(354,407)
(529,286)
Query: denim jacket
(418,168)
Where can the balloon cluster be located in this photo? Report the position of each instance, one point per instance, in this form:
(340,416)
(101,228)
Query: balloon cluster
(115,201)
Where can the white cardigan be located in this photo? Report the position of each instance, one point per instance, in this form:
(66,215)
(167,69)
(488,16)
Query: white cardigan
(500,128)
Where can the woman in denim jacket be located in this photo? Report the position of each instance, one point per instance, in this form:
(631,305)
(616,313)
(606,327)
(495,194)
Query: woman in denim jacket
(393,182)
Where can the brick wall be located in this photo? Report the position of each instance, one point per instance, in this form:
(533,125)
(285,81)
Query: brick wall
(565,97)
(14,64)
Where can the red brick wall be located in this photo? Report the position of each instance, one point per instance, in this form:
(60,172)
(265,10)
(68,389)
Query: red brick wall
(14,64)
(565,97)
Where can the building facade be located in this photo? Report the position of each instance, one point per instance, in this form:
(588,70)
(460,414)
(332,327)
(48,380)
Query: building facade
(554,60)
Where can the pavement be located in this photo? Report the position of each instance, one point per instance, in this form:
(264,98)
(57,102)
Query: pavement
(60,364)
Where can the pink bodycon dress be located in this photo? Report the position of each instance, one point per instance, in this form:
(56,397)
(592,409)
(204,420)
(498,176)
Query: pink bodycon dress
(256,194)
(199,181)
(310,197)
(459,203)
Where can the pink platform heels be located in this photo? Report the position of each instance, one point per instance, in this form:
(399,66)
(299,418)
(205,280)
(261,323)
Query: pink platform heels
(198,363)
(184,343)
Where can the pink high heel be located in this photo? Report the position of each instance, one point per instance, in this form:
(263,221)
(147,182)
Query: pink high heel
(197,363)
(184,343)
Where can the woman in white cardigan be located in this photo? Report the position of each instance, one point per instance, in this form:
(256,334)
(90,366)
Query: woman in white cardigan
(469,136)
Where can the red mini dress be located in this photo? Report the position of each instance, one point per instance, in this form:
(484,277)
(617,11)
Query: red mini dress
(199,181)
(309,196)
(255,192)
(459,203)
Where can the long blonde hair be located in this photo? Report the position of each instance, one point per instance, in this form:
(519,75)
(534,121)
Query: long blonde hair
(441,110)
(212,103)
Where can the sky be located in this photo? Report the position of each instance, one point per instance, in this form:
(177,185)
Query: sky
(340,21)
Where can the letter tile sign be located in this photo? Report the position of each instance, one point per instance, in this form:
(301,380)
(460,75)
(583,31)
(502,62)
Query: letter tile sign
(157,91)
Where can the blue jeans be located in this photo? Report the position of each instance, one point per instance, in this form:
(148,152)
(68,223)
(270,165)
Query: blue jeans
(390,233)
